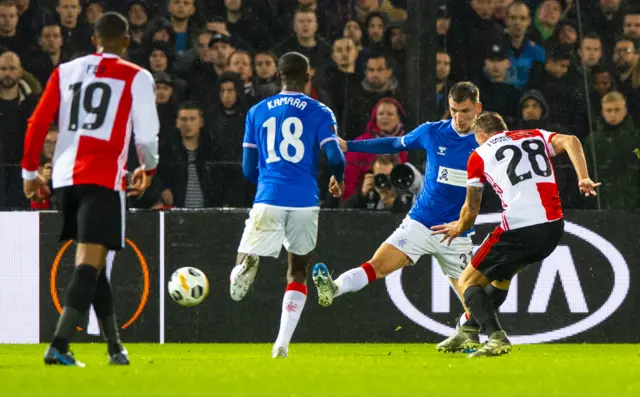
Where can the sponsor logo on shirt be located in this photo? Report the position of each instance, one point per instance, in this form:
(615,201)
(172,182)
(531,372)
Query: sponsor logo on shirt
(452,176)
(442,150)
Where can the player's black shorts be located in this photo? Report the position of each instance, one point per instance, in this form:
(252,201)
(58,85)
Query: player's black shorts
(92,214)
(505,253)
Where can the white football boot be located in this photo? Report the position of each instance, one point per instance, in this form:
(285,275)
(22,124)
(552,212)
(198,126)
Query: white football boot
(242,276)
(279,352)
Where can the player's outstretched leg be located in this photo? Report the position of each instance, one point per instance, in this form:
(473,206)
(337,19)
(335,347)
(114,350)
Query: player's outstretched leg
(243,275)
(80,294)
(103,305)
(385,261)
(293,302)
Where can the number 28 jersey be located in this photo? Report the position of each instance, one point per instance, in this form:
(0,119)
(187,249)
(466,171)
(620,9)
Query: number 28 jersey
(97,100)
(518,166)
(288,130)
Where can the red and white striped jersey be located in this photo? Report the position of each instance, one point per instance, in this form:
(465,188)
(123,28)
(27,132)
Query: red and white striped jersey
(97,100)
(518,166)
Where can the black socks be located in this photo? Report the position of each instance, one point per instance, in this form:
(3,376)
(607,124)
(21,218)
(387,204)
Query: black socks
(482,308)
(103,305)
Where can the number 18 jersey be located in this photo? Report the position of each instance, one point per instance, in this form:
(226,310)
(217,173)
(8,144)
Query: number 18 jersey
(288,131)
(518,166)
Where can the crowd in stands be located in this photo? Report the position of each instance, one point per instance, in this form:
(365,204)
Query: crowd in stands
(569,66)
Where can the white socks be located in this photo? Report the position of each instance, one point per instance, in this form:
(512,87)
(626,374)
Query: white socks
(355,279)
(292,305)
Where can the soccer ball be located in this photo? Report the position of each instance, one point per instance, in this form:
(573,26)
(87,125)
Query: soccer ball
(188,286)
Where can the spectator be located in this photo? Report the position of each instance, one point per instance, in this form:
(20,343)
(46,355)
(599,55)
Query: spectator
(375,25)
(606,20)
(374,197)
(314,90)
(633,101)
(395,44)
(353,31)
(631,23)
(590,52)
(443,69)
(243,23)
(338,77)
(472,32)
(266,67)
(10,37)
(329,19)
(160,59)
(32,18)
(166,105)
(240,62)
(183,22)
(443,25)
(497,94)
(93,10)
(387,120)
(227,136)
(41,61)
(189,178)
(500,10)
(305,40)
(362,8)
(76,35)
(16,105)
(379,82)
(46,169)
(625,58)
(562,88)
(567,32)
(213,56)
(138,18)
(546,21)
(601,85)
(523,52)
(617,165)
(219,25)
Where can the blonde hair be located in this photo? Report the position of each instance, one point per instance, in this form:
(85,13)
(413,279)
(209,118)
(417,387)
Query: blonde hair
(613,96)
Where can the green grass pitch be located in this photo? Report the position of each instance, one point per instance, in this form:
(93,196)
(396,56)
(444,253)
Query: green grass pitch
(191,370)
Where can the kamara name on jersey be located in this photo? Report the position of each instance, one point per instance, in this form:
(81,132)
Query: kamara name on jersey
(287,100)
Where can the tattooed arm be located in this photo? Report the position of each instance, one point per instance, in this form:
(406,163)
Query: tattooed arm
(468,215)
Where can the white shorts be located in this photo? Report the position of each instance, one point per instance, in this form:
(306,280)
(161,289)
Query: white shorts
(414,239)
(269,228)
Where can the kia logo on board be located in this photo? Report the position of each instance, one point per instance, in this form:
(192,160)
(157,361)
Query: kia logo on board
(558,265)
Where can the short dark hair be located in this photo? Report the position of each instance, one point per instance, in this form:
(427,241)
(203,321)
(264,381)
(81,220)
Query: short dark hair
(247,53)
(379,55)
(627,38)
(190,105)
(593,36)
(8,3)
(490,122)
(385,159)
(111,26)
(464,90)
(305,10)
(293,68)
(519,3)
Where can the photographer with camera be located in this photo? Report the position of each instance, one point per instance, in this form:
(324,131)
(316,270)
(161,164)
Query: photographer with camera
(387,186)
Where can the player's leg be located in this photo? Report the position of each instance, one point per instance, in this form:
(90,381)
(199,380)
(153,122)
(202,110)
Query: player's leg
(301,234)
(105,312)
(263,236)
(402,248)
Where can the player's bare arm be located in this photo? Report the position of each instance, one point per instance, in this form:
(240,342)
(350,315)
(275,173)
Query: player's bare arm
(468,215)
(571,145)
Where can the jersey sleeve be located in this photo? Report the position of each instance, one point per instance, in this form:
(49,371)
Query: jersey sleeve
(328,128)
(146,124)
(38,126)
(249,140)
(419,138)
(475,170)
(548,136)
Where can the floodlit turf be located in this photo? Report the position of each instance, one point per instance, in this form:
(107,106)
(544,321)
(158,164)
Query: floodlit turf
(326,370)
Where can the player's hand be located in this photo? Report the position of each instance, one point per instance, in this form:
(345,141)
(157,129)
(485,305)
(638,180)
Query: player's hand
(367,184)
(36,189)
(336,188)
(588,187)
(343,145)
(47,172)
(140,182)
(448,230)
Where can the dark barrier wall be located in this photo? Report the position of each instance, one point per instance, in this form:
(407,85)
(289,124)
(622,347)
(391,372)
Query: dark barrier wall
(584,292)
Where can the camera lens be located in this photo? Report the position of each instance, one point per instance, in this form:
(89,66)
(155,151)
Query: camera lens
(381,181)
(402,176)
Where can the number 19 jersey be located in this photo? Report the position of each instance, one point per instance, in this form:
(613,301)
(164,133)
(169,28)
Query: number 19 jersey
(288,130)
(518,166)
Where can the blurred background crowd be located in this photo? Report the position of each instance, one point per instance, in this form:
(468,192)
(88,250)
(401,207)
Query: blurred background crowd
(569,66)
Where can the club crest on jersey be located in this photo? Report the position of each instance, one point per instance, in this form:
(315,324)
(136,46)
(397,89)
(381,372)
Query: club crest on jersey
(442,150)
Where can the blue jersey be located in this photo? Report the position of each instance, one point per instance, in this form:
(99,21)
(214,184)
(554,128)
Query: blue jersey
(288,131)
(445,182)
